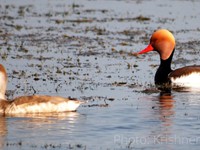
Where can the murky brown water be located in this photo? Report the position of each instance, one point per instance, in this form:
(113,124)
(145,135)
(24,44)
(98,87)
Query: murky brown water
(83,49)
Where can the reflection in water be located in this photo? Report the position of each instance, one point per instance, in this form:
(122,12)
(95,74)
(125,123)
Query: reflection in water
(166,111)
(60,116)
(35,125)
(166,107)
(3,131)
(39,120)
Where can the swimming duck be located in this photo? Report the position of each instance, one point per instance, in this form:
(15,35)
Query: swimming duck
(34,103)
(163,42)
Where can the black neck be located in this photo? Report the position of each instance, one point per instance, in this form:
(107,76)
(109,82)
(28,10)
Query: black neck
(163,71)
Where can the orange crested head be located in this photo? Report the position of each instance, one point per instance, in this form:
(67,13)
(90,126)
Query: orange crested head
(161,41)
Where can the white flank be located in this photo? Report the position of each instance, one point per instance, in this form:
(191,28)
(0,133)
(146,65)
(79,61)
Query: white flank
(42,107)
(189,81)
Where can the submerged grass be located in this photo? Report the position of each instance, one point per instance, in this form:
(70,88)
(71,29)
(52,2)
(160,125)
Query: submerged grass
(24,145)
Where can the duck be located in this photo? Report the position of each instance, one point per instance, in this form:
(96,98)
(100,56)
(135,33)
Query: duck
(163,42)
(32,104)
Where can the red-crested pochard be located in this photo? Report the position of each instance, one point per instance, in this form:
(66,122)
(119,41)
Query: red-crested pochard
(34,103)
(164,43)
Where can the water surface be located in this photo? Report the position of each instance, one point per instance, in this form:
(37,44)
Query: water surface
(83,49)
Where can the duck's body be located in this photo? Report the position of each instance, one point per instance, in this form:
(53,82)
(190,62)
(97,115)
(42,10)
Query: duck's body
(33,104)
(38,104)
(188,76)
(163,42)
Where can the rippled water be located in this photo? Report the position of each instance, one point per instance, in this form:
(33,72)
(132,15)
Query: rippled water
(82,49)
(142,121)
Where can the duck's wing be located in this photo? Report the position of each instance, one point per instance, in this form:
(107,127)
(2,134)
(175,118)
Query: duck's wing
(184,71)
